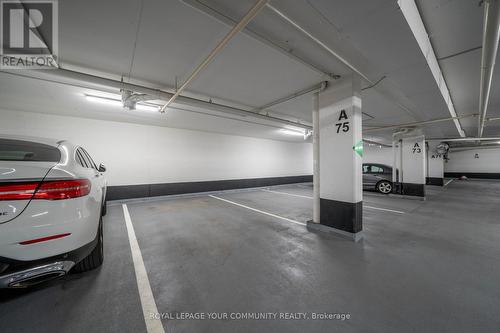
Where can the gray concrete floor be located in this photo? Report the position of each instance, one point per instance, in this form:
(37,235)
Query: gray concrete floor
(431,268)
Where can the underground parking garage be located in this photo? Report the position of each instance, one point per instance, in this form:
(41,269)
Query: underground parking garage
(249,166)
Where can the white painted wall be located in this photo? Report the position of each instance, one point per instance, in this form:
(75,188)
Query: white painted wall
(374,154)
(142,154)
(488,161)
(459,161)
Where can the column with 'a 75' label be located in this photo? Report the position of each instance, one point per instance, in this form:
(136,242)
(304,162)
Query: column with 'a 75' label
(341,152)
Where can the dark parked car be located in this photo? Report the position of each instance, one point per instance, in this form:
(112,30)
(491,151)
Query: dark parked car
(377,177)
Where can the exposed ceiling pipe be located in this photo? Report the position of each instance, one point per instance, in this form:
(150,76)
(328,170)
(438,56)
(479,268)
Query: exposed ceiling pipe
(340,58)
(229,21)
(233,32)
(371,142)
(316,88)
(396,155)
(492,146)
(412,16)
(151,92)
(461,139)
(417,123)
(240,112)
(491,34)
(319,42)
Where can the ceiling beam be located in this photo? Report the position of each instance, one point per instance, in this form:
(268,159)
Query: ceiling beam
(414,20)
(491,34)
(418,123)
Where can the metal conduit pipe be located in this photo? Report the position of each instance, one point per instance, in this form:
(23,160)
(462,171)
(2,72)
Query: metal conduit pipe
(203,7)
(371,142)
(417,123)
(317,87)
(395,175)
(338,56)
(463,139)
(319,42)
(153,93)
(316,154)
(316,157)
(491,35)
(240,112)
(492,146)
(233,32)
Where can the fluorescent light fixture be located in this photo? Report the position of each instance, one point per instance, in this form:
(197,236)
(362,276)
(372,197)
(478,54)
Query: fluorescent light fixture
(118,102)
(291,132)
(147,107)
(104,100)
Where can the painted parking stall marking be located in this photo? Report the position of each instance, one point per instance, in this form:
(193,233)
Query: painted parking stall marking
(290,194)
(146,294)
(258,211)
(364,206)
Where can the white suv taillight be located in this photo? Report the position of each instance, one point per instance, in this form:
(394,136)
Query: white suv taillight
(47,190)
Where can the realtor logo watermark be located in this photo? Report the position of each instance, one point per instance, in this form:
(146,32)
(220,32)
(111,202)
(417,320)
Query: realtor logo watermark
(29,34)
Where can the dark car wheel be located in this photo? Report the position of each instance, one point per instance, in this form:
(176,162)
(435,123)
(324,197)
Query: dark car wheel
(384,187)
(96,257)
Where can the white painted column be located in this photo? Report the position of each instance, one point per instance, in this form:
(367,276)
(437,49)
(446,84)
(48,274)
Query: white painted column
(435,165)
(413,165)
(341,150)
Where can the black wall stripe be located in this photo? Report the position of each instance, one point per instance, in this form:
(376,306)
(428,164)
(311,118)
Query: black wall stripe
(434,181)
(410,189)
(153,190)
(483,175)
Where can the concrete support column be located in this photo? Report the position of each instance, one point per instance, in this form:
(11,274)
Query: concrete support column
(412,167)
(340,151)
(435,165)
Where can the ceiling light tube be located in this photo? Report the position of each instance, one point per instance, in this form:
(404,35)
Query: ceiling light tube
(147,107)
(291,132)
(104,100)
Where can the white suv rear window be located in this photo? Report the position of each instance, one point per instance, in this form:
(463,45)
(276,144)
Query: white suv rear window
(18,150)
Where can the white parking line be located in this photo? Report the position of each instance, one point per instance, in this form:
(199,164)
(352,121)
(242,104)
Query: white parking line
(449,181)
(148,303)
(290,194)
(365,206)
(257,210)
(384,209)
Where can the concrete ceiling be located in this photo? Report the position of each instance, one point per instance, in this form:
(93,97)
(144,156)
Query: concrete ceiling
(455,30)
(171,37)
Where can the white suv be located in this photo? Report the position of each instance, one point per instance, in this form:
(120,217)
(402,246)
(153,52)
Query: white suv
(52,199)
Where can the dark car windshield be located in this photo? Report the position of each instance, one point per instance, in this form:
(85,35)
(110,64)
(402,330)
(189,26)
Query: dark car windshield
(18,150)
